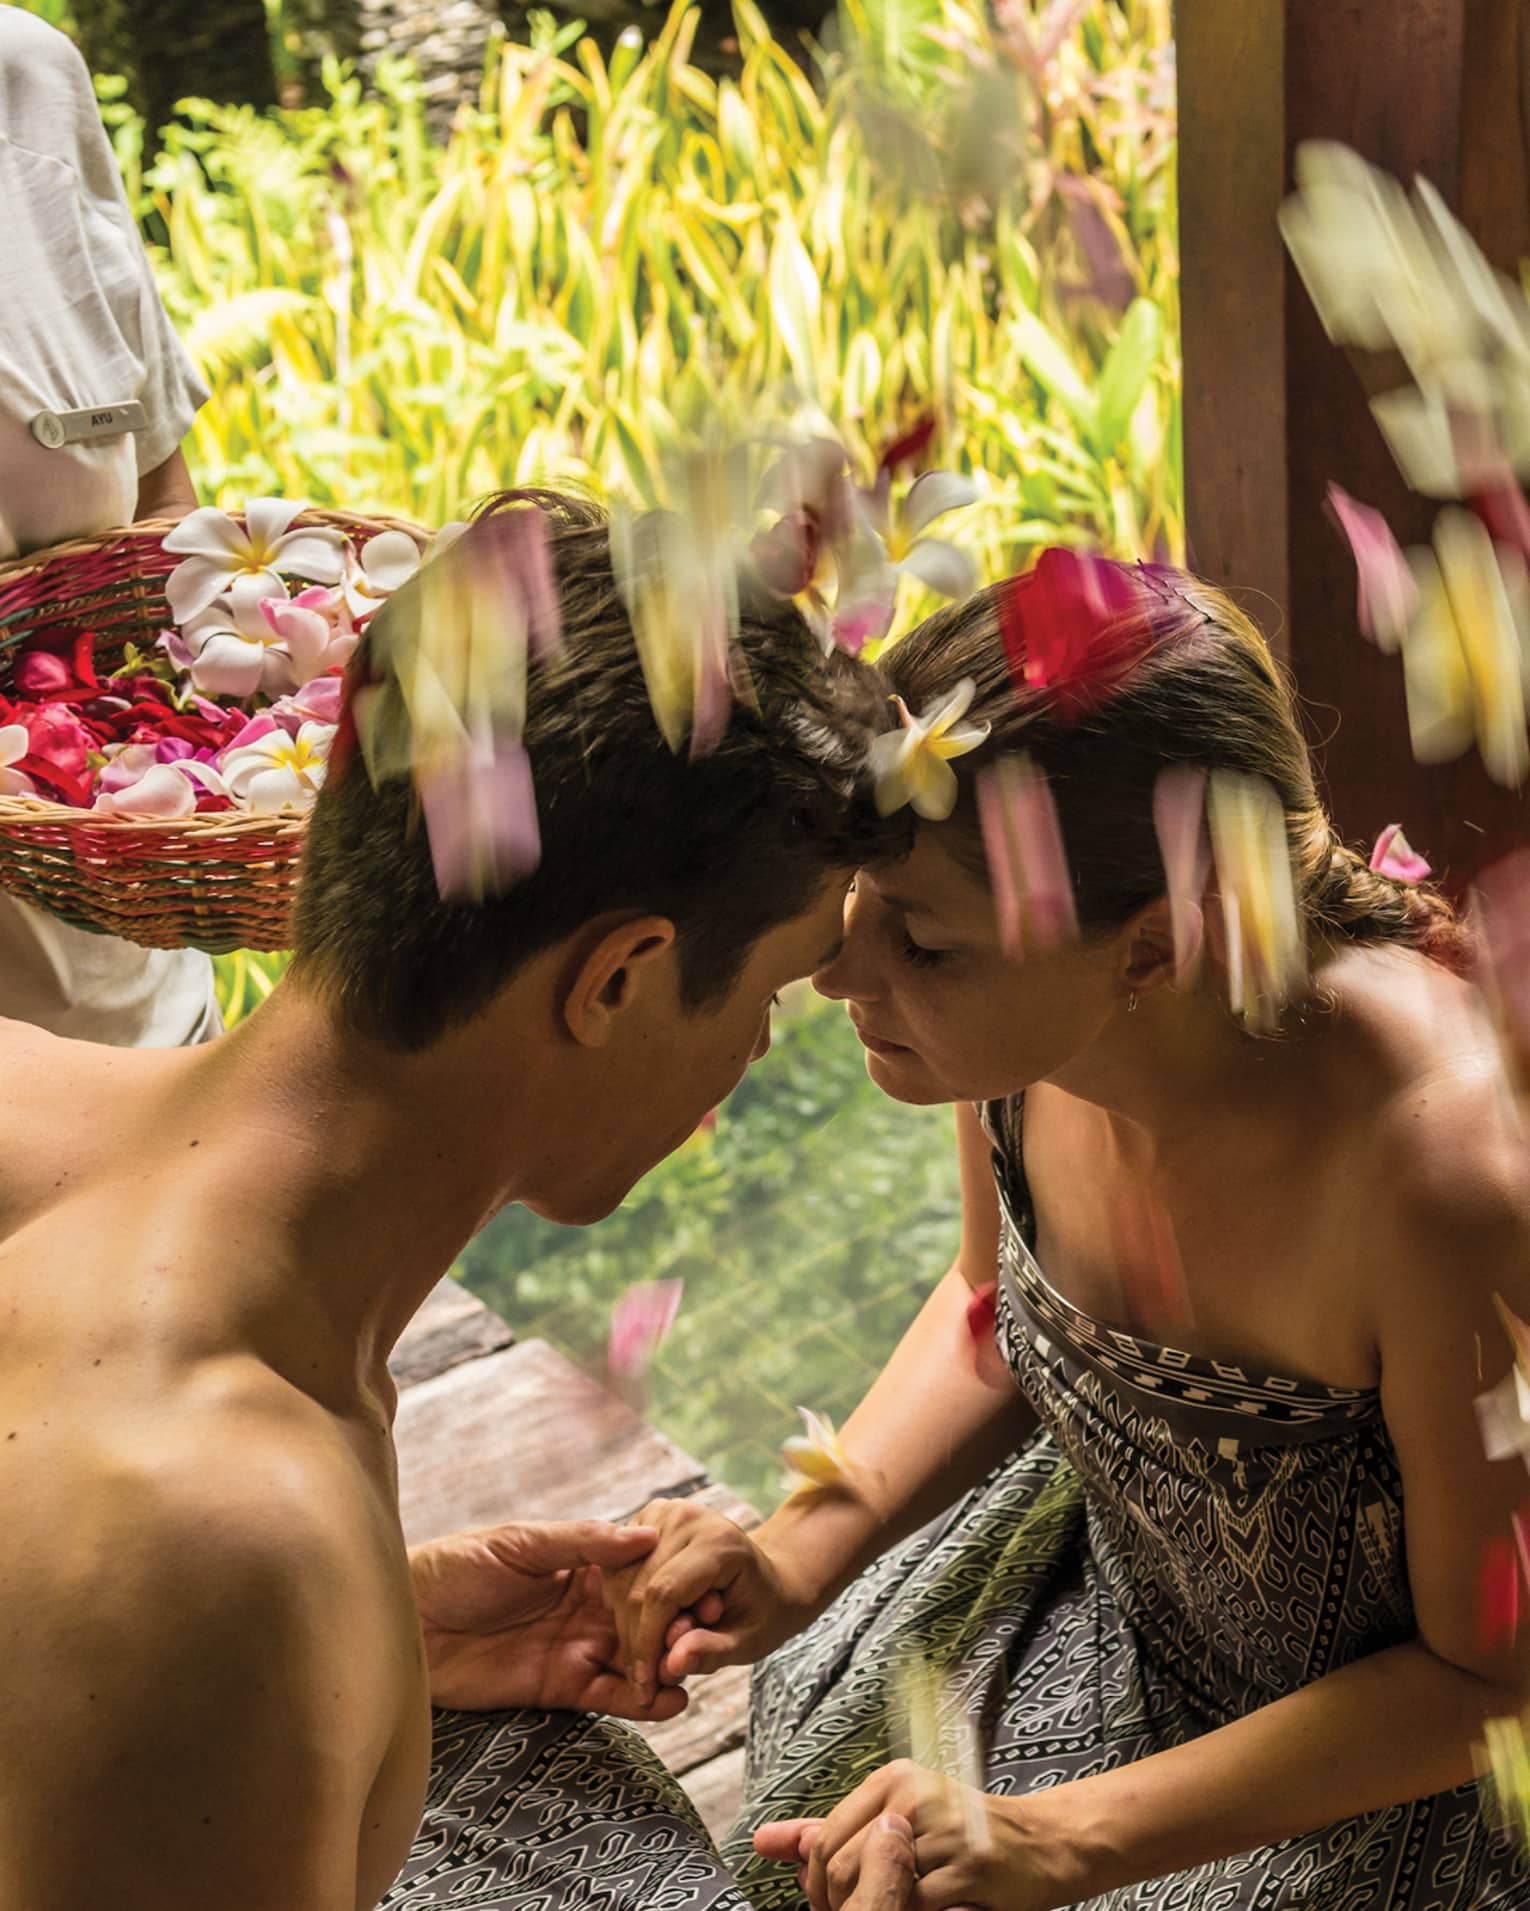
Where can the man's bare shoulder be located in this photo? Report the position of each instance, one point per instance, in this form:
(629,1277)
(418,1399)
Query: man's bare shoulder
(200,1673)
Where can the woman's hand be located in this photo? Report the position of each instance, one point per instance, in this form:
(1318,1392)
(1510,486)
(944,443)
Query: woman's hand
(708,1595)
(970,1849)
(513,1615)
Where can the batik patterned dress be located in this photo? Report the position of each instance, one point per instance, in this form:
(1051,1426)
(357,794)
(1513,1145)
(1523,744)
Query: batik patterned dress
(1182,1542)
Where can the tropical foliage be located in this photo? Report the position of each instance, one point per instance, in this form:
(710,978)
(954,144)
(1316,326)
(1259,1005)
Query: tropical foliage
(604,254)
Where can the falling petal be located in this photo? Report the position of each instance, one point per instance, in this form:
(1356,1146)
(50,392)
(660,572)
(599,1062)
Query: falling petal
(481,818)
(929,1725)
(640,1324)
(942,566)
(932,495)
(1503,1769)
(1498,1595)
(1503,1415)
(1179,817)
(1388,594)
(815,1459)
(1266,958)
(1028,864)
(1394,856)
(1480,604)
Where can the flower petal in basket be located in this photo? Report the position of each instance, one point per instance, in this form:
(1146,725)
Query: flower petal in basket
(216,549)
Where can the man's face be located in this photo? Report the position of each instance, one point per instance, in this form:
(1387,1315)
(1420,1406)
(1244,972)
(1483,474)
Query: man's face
(669,1066)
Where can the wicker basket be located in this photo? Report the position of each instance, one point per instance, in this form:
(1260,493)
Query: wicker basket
(216,881)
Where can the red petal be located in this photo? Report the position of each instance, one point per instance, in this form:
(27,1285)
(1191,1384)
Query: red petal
(1073,627)
(1498,1594)
(982,1310)
(910,447)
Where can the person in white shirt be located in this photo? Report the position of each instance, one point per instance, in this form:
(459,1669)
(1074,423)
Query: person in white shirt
(83,331)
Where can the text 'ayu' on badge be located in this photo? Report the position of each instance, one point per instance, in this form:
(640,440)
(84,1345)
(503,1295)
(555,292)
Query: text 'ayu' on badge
(58,428)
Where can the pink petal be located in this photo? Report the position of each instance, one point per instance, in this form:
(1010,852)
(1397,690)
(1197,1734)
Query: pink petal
(160,794)
(481,818)
(1028,865)
(640,1323)
(257,727)
(321,698)
(1388,594)
(982,1310)
(1395,856)
(1179,817)
(176,649)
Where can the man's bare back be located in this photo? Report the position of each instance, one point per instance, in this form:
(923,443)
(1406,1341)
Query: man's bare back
(193,1543)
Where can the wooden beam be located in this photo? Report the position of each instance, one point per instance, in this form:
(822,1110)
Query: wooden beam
(1273,412)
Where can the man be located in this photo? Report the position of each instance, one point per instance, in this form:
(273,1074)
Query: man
(96,395)
(213,1684)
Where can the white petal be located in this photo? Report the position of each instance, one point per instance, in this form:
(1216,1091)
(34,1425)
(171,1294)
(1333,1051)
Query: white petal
(16,783)
(227,666)
(932,786)
(278,789)
(207,532)
(266,519)
(194,583)
(14,742)
(389,559)
(932,495)
(246,594)
(942,567)
(313,553)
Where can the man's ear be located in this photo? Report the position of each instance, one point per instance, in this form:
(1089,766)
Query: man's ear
(612,972)
(1148,962)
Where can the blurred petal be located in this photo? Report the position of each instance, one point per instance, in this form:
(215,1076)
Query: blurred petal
(942,566)
(815,1459)
(1266,958)
(932,495)
(1033,890)
(640,1324)
(481,818)
(1179,817)
(1388,594)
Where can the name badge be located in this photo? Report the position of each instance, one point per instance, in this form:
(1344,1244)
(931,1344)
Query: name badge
(58,428)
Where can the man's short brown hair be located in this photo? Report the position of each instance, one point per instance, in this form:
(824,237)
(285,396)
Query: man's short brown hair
(727,846)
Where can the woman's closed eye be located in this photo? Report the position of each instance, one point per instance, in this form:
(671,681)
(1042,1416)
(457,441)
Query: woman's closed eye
(919,955)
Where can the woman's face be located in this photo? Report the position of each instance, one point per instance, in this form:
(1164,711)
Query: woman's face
(943,1013)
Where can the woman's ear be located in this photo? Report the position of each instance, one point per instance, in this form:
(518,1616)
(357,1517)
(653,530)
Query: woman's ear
(615,972)
(1148,962)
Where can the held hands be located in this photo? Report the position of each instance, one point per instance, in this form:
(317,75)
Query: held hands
(708,1595)
(513,1616)
(1009,1866)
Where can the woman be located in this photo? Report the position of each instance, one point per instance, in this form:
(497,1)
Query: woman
(1246,1299)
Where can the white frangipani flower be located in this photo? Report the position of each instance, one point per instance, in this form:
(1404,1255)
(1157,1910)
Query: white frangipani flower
(215,551)
(913,764)
(278,771)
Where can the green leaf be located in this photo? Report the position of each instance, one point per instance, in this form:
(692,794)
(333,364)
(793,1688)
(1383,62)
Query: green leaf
(1128,367)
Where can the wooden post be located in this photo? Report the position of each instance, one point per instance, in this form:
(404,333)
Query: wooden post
(1273,411)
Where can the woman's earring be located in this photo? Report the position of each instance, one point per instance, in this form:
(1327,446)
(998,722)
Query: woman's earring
(1131,1003)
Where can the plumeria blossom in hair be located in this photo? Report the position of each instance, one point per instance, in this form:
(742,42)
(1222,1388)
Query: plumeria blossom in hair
(215,551)
(1027,864)
(1393,855)
(1266,957)
(912,764)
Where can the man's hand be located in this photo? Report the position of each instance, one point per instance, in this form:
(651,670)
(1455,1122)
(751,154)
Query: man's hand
(513,1616)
